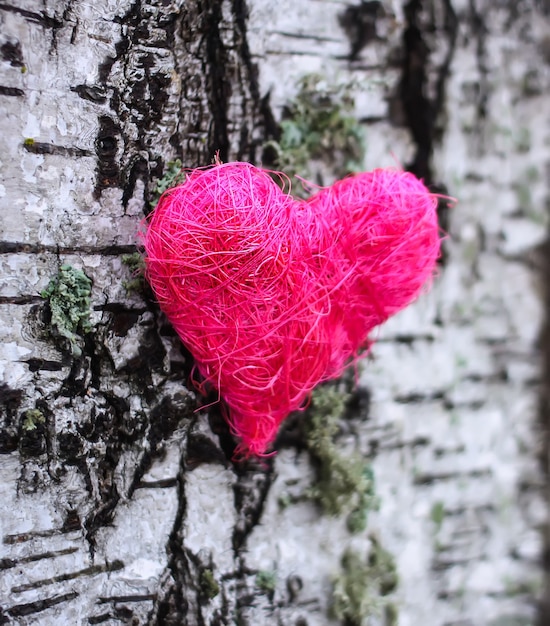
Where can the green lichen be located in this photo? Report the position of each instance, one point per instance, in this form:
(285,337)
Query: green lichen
(68,295)
(318,126)
(523,139)
(513,620)
(133,261)
(362,586)
(31,419)
(532,587)
(208,584)
(532,174)
(29,141)
(461,361)
(266,580)
(525,199)
(391,614)
(284,501)
(345,482)
(438,515)
(173,175)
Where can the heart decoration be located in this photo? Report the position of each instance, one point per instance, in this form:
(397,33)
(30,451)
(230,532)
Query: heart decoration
(273,295)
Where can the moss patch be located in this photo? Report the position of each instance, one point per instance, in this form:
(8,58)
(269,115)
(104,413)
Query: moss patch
(344,481)
(438,515)
(68,295)
(208,584)
(136,265)
(173,175)
(266,581)
(318,126)
(32,419)
(362,585)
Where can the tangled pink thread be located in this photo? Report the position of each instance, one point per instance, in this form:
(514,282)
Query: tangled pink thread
(273,295)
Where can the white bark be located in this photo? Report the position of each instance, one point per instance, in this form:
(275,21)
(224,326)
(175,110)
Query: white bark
(113,509)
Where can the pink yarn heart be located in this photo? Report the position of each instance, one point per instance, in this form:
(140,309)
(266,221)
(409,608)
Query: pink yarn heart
(273,295)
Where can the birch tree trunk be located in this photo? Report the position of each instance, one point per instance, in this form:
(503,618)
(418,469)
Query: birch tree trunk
(120,502)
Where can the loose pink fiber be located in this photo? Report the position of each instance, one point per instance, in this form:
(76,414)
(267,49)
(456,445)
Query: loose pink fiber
(273,295)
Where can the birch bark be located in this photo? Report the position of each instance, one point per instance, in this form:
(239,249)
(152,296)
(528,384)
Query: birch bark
(120,502)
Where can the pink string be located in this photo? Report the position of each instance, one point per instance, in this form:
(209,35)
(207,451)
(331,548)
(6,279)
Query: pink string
(272,295)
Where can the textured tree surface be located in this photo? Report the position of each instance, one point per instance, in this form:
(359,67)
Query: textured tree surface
(120,502)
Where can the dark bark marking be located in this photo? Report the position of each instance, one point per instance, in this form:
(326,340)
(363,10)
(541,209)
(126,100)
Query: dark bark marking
(376,445)
(137,598)
(20,300)
(109,497)
(271,128)
(164,418)
(9,563)
(441,565)
(23,537)
(93,570)
(93,93)
(358,405)
(70,447)
(428,478)
(11,91)
(21,610)
(544,427)
(171,606)
(248,144)
(414,398)
(120,309)
(123,320)
(37,147)
(227,76)
(219,89)
(15,247)
(41,18)
(37,365)
(201,449)
(303,36)
(11,52)
(72,522)
(99,619)
(219,426)
(140,106)
(10,400)
(250,492)
(137,170)
(422,113)
(480,31)
(106,146)
(166,483)
(359,24)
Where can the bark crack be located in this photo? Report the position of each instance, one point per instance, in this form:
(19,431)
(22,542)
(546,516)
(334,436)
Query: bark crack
(424,111)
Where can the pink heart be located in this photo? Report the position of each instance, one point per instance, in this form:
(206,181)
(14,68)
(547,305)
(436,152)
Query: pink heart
(273,295)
